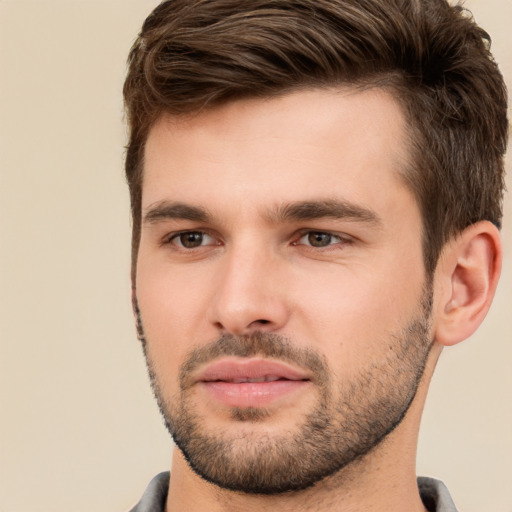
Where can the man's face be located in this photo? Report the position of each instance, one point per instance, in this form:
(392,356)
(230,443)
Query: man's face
(281,286)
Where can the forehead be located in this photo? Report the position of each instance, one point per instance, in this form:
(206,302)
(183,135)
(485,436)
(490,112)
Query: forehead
(320,143)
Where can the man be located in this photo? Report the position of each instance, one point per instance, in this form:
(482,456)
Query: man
(316,194)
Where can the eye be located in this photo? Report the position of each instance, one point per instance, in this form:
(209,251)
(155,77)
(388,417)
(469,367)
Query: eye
(319,239)
(192,239)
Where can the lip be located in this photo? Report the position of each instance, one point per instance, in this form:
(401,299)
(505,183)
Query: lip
(238,382)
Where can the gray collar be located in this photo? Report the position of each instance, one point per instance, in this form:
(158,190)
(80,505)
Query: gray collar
(433,492)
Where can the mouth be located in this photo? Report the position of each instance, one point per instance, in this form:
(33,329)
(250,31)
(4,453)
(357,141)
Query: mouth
(238,382)
(241,380)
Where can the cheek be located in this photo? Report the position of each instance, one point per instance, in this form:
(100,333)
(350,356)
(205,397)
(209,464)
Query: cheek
(352,312)
(170,308)
(169,295)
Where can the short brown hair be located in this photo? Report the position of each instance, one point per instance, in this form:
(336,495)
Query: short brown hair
(193,54)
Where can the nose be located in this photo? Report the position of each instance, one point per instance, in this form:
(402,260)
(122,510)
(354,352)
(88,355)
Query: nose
(250,294)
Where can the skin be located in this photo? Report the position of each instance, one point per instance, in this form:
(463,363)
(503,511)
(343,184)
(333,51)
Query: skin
(256,270)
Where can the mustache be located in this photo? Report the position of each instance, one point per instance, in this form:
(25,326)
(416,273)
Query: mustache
(262,344)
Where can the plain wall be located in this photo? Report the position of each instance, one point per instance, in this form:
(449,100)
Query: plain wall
(78,427)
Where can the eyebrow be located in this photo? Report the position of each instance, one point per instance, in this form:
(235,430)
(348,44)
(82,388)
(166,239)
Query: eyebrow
(174,210)
(289,212)
(334,209)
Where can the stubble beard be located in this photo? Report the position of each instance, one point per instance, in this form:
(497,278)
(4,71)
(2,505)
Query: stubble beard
(341,429)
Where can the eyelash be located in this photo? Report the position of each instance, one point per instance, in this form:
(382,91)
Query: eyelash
(169,240)
(339,239)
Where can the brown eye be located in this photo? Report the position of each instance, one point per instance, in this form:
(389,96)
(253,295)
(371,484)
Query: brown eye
(190,239)
(319,239)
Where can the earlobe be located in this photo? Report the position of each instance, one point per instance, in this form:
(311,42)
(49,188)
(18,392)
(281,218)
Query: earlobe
(467,276)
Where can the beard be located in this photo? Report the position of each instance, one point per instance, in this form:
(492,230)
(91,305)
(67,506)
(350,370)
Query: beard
(349,420)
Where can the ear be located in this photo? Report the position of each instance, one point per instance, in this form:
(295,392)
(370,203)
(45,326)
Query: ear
(466,278)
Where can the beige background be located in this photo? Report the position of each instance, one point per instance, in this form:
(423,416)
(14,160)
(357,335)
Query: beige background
(78,428)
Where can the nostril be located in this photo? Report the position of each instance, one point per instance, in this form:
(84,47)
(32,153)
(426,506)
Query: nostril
(254,324)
